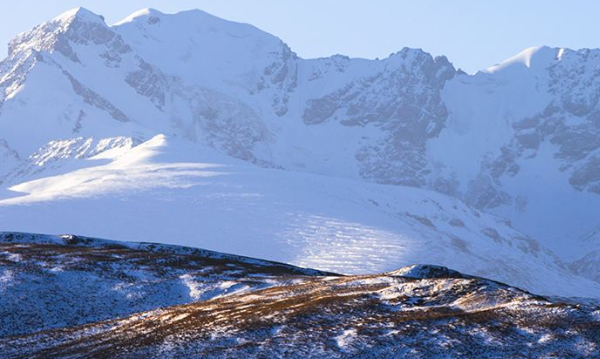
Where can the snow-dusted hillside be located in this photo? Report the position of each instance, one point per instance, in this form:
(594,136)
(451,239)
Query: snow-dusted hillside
(237,307)
(128,132)
(48,281)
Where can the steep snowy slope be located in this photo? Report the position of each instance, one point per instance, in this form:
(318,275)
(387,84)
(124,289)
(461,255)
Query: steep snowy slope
(520,140)
(164,191)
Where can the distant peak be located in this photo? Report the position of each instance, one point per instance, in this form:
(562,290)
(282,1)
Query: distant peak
(43,36)
(408,52)
(405,51)
(150,11)
(79,13)
(151,16)
(143,13)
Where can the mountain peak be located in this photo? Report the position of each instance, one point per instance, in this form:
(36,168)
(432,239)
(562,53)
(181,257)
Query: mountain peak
(77,25)
(81,14)
(189,21)
(147,12)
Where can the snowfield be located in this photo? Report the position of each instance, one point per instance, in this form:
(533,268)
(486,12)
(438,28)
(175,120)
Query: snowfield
(167,191)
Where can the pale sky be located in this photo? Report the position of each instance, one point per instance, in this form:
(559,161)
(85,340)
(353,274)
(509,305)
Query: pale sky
(473,34)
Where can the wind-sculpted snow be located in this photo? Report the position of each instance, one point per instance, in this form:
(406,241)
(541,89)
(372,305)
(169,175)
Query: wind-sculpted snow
(519,140)
(57,155)
(421,311)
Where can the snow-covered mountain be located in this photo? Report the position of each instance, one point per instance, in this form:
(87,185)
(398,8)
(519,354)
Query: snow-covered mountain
(127,132)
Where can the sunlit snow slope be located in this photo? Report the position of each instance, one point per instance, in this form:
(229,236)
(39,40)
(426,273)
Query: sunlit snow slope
(171,191)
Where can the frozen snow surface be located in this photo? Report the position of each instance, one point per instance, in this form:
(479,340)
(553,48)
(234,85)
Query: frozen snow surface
(192,130)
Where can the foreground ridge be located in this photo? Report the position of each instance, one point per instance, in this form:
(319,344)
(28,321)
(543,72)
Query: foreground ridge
(56,281)
(420,311)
